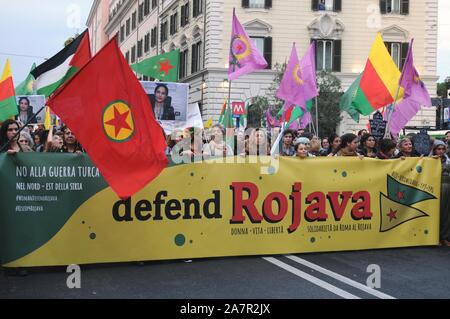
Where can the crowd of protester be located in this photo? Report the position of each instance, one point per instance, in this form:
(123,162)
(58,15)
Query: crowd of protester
(195,143)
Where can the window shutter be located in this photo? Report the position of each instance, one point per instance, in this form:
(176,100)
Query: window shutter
(404,9)
(337,6)
(268,51)
(268,4)
(337,49)
(315,50)
(405,47)
(383,6)
(388,47)
(194,8)
(315,5)
(245,4)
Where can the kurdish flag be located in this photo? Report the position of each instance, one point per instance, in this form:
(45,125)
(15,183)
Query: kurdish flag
(163,67)
(379,81)
(8,105)
(26,87)
(54,72)
(116,126)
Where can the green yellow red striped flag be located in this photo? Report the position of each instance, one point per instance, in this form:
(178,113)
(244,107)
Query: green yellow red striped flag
(379,81)
(8,105)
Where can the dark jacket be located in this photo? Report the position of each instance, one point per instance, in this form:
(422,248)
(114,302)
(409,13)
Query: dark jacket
(29,115)
(168,111)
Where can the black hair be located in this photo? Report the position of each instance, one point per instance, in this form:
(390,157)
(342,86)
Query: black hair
(289,132)
(360,132)
(164,86)
(385,145)
(331,139)
(24,98)
(347,139)
(364,139)
(4,130)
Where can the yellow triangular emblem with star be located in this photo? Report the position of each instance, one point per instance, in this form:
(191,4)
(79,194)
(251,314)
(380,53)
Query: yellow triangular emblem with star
(394,214)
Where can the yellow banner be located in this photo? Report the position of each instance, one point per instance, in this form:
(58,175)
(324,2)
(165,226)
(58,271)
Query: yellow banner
(212,209)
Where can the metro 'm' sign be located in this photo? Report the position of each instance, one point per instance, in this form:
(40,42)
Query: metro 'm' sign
(238,108)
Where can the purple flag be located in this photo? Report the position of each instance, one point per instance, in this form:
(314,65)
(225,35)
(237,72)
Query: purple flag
(244,56)
(271,120)
(306,119)
(299,81)
(415,95)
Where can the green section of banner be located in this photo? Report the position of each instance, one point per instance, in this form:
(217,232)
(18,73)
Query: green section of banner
(40,192)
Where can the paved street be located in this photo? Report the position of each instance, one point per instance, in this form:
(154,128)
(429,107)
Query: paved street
(405,273)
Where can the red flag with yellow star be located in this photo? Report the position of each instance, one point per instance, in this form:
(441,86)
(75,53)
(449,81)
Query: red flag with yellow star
(106,107)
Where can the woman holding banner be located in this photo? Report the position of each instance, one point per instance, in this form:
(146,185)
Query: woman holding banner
(217,146)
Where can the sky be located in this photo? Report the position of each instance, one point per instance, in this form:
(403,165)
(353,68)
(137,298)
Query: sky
(39,28)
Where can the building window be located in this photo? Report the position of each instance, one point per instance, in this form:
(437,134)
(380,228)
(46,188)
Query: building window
(264,45)
(328,55)
(147,42)
(326,5)
(141,12)
(197,8)
(154,4)
(139,48)
(267,4)
(196,57)
(128,27)
(122,33)
(394,6)
(183,63)
(133,21)
(173,23)
(127,57)
(163,31)
(146,7)
(398,52)
(184,14)
(154,35)
(133,54)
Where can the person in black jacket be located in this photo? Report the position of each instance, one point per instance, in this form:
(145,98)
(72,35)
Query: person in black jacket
(161,101)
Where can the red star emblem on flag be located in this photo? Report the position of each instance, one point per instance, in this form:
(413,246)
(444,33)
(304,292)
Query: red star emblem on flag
(165,67)
(119,121)
(400,195)
(392,214)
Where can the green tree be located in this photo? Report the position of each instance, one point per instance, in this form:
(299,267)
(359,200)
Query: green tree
(259,104)
(328,103)
(442,89)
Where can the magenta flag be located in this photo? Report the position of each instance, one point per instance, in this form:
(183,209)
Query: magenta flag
(271,120)
(244,56)
(416,95)
(299,80)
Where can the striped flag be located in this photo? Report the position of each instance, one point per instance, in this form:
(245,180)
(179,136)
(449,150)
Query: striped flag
(51,74)
(8,105)
(379,82)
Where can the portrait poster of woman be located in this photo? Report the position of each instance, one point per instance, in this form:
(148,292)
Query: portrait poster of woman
(28,105)
(169,100)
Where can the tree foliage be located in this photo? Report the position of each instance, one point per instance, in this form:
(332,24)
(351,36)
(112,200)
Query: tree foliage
(328,101)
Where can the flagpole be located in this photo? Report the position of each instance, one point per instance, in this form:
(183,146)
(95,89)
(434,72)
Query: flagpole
(317,117)
(391,109)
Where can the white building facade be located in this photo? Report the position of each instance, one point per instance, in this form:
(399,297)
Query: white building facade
(344,31)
